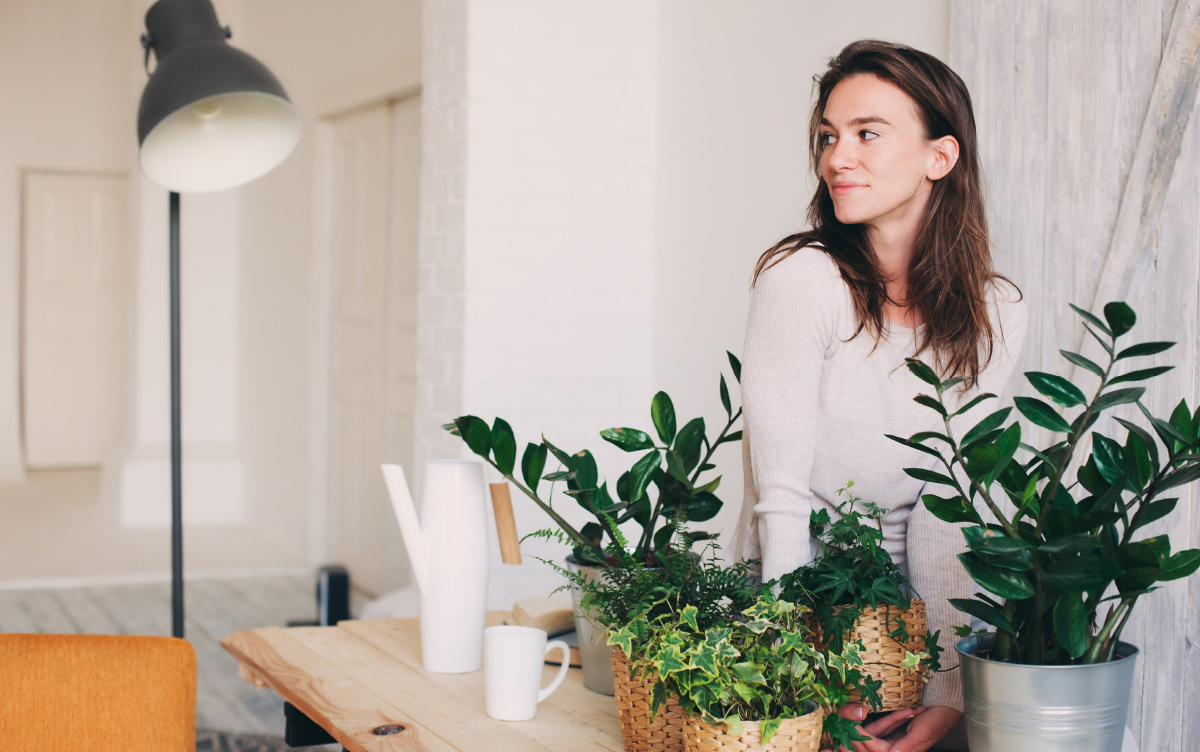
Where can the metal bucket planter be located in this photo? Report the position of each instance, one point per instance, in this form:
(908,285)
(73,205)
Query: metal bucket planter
(1014,708)
(594,652)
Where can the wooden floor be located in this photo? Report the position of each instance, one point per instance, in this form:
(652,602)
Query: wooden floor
(214,609)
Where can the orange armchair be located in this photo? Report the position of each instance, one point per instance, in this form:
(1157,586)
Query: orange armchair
(97,693)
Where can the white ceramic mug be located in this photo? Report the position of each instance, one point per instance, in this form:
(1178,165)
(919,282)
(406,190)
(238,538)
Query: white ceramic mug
(513,658)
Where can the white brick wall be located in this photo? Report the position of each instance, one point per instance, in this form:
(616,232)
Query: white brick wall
(537,268)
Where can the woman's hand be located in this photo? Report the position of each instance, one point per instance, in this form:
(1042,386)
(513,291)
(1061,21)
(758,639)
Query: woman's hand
(926,727)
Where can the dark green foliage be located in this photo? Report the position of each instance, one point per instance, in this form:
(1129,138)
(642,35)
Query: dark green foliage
(852,572)
(1052,561)
(672,469)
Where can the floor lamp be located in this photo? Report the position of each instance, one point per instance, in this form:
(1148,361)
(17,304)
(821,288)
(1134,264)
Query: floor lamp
(211,118)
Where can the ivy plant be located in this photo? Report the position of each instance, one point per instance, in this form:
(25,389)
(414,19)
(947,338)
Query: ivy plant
(661,491)
(1063,571)
(760,667)
(853,572)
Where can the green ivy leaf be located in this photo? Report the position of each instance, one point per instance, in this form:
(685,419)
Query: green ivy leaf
(662,412)
(1041,414)
(687,615)
(1056,388)
(768,729)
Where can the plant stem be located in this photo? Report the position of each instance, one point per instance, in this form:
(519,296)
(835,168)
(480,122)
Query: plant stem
(715,444)
(1098,645)
(566,527)
(975,485)
(1004,640)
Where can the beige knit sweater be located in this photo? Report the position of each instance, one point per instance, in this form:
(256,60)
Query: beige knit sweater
(817,405)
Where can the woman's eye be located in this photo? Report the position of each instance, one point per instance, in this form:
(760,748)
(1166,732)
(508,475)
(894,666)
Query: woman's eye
(827,139)
(868,135)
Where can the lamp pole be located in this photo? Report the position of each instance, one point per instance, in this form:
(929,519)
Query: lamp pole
(176,434)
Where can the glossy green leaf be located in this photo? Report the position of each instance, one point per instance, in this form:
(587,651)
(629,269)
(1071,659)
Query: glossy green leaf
(1181,421)
(704,508)
(954,509)
(533,462)
(977,400)
(1141,375)
(1002,582)
(736,365)
(914,445)
(675,467)
(688,443)
(1119,397)
(628,439)
(662,536)
(1041,414)
(1120,317)
(1077,543)
(476,433)
(731,437)
(584,466)
(1083,362)
(662,412)
(1071,624)
(1144,348)
(931,403)
(929,476)
(1109,457)
(725,398)
(640,473)
(1181,565)
(1182,476)
(1082,573)
(504,446)
(1156,510)
(1091,318)
(923,372)
(984,611)
(1147,440)
(985,426)
(1056,388)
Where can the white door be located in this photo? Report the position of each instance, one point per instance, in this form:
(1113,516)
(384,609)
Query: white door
(77,269)
(372,333)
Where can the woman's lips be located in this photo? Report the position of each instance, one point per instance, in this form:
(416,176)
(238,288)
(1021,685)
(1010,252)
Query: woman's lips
(842,189)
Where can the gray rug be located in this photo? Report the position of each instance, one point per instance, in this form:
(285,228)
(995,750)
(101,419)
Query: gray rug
(208,740)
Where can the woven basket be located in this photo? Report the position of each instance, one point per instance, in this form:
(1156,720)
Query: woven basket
(882,655)
(801,734)
(663,733)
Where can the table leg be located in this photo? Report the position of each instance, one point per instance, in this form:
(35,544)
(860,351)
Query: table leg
(302,731)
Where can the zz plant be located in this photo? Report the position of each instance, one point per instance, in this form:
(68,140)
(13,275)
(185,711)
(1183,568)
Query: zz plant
(660,492)
(761,667)
(1051,566)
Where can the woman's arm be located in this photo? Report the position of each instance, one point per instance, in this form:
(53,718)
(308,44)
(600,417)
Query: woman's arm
(792,322)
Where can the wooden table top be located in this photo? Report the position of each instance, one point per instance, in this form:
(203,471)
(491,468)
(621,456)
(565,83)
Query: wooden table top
(361,675)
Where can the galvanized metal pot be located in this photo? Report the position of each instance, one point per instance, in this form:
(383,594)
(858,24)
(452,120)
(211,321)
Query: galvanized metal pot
(594,652)
(1013,708)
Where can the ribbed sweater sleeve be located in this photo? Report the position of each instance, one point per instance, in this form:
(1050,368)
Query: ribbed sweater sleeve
(933,545)
(792,322)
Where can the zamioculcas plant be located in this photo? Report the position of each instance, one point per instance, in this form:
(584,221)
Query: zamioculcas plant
(1048,566)
(761,668)
(660,492)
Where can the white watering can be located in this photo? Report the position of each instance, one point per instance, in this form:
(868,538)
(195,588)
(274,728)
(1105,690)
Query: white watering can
(448,551)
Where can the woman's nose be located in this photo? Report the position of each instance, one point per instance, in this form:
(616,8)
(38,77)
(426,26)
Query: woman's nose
(840,155)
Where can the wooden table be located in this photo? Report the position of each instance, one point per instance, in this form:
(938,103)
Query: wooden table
(359,677)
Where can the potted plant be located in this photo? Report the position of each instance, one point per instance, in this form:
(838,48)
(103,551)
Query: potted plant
(1062,572)
(858,594)
(754,683)
(632,594)
(662,490)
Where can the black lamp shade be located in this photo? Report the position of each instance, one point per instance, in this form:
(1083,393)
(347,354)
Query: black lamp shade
(211,116)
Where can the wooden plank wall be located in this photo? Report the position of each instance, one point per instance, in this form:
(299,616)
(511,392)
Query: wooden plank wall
(1060,89)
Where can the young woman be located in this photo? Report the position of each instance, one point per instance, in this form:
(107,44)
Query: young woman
(897,264)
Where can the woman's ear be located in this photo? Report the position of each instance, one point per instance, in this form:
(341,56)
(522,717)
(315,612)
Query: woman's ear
(945,156)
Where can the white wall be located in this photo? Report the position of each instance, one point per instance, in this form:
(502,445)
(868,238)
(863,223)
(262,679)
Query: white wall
(735,89)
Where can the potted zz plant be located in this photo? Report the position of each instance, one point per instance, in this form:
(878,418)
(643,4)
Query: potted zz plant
(659,493)
(635,594)
(1062,572)
(857,594)
(753,683)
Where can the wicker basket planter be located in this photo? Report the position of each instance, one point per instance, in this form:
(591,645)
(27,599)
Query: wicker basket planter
(801,734)
(663,733)
(882,655)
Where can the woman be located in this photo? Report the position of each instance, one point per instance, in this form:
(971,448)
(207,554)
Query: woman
(897,264)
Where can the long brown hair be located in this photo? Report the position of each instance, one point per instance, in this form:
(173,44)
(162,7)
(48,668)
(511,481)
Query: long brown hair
(952,265)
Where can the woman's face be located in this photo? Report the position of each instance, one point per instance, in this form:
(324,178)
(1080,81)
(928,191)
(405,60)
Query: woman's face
(875,158)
